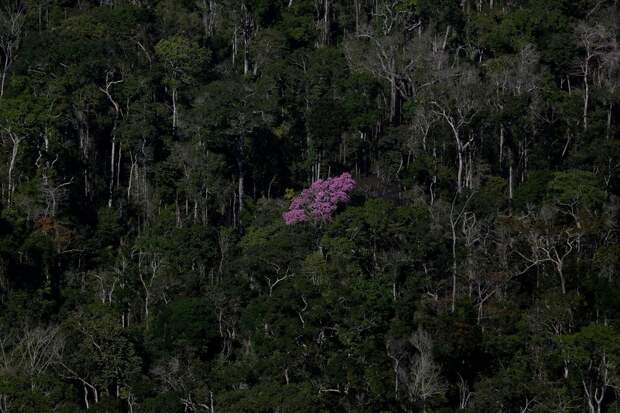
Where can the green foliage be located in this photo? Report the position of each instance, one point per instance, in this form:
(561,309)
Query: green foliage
(24,114)
(181,57)
(492,195)
(185,324)
(374,299)
(533,190)
(594,351)
(104,354)
(297,29)
(163,403)
(576,186)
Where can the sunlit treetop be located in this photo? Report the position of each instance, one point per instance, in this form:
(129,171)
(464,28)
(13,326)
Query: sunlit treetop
(319,202)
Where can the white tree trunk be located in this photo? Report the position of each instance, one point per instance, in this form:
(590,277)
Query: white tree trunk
(16,140)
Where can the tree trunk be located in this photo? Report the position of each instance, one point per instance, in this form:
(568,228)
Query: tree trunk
(608,130)
(393,101)
(5,70)
(208,16)
(118,166)
(131,173)
(247,24)
(16,140)
(501,145)
(454,267)
(112,165)
(241,172)
(246,57)
(174,108)
(241,189)
(562,280)
(510,180)
(357,16)
(326,23)
(2,82)
(459,177)
(86,403)
(147,300)
(586,95)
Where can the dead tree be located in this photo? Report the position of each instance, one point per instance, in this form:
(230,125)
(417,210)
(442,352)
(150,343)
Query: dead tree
(548,245)
(15,140)
(422,379)
(12,16)
(117,114)
(596,41)
(53,192)
(458,111)
(30,352)
(380,50)
(456,218)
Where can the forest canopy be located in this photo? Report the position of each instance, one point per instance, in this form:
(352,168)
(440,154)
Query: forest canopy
(309,205)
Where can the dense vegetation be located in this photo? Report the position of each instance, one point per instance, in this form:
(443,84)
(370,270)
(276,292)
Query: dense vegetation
(149,149)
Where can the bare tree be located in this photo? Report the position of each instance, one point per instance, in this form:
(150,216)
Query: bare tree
(598,381)
(415,370)
(596,41)
(12,16)
(421,125)
(5,403)
(31,352)
(458,108)
(106,284)
(323,11)
(39,348)
(278,276)
(109,82)
(209,14)
(88,385)
(379,49)
(548,244)
(15,141)
(244,29)
(456,217)
(179,376)
(53,192)
(150,266)
(485,280)
(608,79)
(464,393)
(422,379)
(517,75)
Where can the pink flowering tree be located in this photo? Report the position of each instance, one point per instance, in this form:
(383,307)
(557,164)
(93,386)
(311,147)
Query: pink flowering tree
(319,202)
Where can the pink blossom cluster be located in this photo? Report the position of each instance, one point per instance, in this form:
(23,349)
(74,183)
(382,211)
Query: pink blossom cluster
(319,202)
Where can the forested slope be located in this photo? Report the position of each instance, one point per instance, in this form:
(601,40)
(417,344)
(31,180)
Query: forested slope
(150,151)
